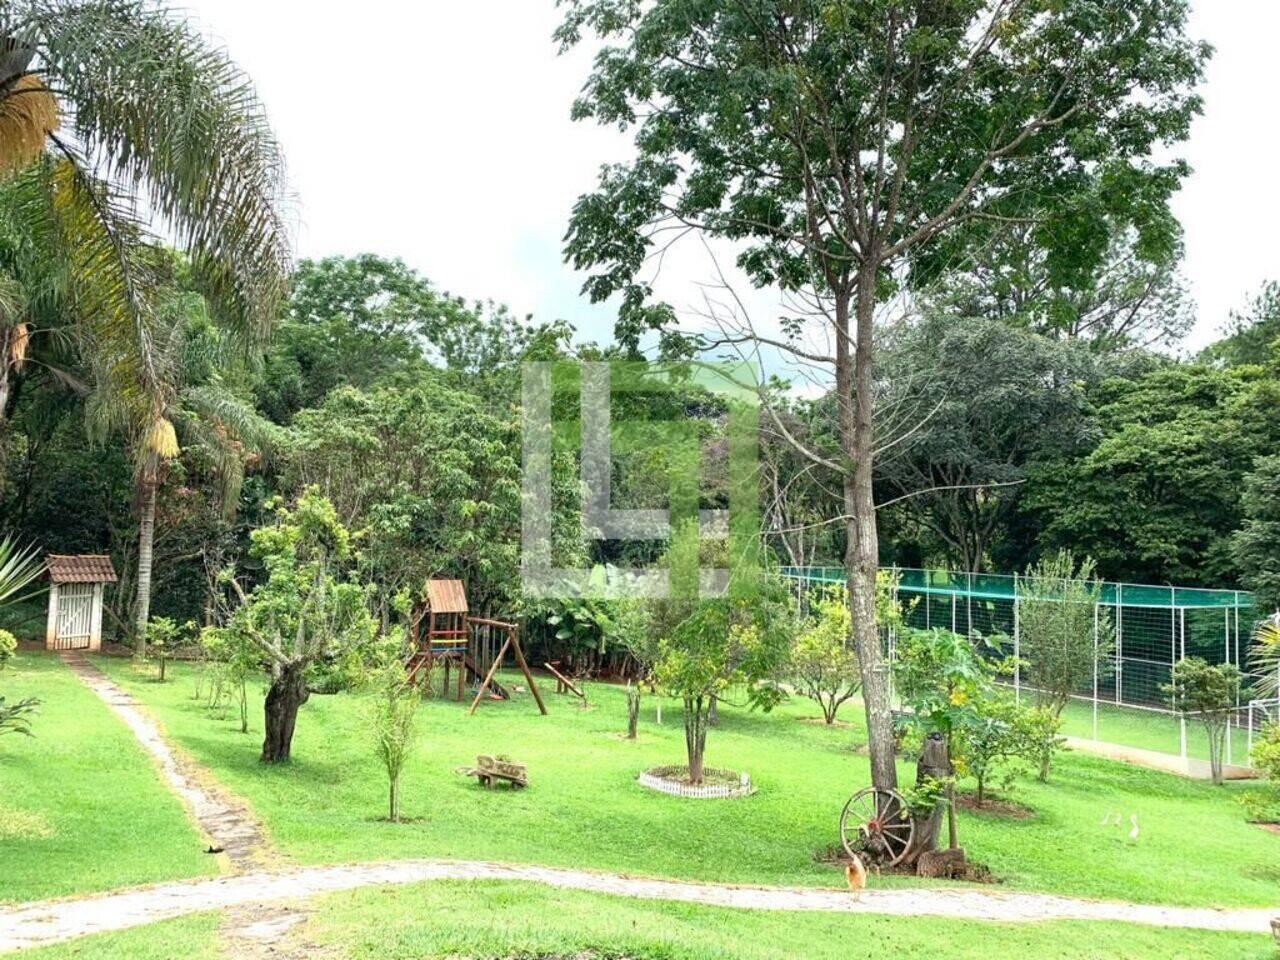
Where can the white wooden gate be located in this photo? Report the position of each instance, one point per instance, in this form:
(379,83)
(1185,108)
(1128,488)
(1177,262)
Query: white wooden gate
(75,616)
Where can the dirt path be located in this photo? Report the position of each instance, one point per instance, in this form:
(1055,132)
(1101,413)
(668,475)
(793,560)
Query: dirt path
(42,923)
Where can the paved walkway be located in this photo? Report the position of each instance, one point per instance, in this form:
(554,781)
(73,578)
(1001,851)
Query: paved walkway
(49,922)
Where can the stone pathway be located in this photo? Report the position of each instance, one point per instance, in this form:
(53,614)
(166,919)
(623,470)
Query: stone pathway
(228,825)
(50,922)
(248,932)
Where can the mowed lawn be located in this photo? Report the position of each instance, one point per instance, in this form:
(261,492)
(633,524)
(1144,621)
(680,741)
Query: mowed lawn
(189,938)
(584,808)
(504,921)
(490,919)
(82,808)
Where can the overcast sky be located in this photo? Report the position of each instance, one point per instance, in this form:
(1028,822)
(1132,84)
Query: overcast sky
(439,133)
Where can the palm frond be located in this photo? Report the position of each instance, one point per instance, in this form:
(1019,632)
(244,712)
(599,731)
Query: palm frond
(28,114)
(159,108)
(113,283)
(19,568)
(1264,657)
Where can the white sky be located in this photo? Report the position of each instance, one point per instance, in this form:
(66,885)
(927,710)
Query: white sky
(440,133)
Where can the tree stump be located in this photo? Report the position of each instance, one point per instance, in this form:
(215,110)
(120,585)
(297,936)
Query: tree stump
(934,764)
(941,864)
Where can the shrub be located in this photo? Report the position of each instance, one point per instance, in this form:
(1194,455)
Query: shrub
(8,647)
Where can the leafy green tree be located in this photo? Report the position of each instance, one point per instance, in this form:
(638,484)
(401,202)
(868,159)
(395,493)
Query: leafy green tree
(823,664)
(1063,630)
(1253,337)
(392,712)
(705,646)
(1256,545)
(1133,296)
(849,147)
(229,660)
(164,636)
(944,680)
(307,610)
(1000,737)
(431,474)
(1209,694)
(1157,499)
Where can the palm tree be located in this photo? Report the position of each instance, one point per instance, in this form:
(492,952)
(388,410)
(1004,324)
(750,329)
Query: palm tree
(189,353)
(109,106)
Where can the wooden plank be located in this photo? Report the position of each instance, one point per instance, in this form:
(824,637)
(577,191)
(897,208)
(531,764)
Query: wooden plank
(565,681)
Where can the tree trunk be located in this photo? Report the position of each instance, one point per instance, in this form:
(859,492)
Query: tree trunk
(633,709)
(393,800)
(713,712)
(288,692)
(862,551)
(146,537)
(695,736)
(1217,736)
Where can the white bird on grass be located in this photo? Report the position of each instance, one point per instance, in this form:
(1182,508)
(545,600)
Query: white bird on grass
(1133,834)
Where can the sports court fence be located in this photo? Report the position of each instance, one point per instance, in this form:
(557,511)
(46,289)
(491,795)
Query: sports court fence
(1151,628)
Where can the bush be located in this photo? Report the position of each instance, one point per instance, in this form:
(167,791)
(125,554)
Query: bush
(8,647)
(999,738)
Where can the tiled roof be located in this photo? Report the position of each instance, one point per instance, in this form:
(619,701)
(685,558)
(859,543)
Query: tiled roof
(85,568)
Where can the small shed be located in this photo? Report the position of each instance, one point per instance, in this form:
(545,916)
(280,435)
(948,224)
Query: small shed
(75,600)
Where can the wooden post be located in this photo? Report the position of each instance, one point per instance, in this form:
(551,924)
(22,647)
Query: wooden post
(95,619)
(51,629)
(488,677)
(524,668)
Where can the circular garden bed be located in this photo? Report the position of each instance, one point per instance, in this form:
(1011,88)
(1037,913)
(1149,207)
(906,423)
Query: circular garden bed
(716,784)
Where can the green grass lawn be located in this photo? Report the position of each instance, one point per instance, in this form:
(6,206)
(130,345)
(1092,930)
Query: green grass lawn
(82,806)
(1147,730)
(191,938)
(584,808)
(501,920)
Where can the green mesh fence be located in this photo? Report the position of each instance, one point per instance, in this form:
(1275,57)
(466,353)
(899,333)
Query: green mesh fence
(1154,627)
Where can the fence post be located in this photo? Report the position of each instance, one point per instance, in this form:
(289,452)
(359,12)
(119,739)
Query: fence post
(1017,648)
(1119,640)
(1096,604)
(1183,717)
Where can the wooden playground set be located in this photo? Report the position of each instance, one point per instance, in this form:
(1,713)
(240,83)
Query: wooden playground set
(446,636)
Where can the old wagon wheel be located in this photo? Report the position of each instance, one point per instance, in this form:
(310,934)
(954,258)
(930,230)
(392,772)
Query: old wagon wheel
(877,826)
